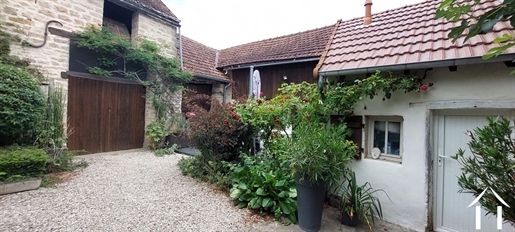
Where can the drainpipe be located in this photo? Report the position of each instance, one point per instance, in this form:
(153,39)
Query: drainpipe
(251,81)
(368,12)
(180,48)
(224,99)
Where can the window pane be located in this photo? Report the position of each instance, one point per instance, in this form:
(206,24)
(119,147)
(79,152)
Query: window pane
(379,135)
(394,138)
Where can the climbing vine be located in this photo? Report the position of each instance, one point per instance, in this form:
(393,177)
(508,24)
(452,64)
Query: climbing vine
(165,80)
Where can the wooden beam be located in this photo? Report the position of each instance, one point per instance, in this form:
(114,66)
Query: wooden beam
(465,104)
(67,74)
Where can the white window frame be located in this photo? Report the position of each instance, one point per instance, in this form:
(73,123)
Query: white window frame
(370,120)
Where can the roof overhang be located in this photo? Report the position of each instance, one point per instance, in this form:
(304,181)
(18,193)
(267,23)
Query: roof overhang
(203,78)
(153,14)
(270,63)
(419,65)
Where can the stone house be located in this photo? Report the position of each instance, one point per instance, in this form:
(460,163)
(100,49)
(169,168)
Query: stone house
(99,112)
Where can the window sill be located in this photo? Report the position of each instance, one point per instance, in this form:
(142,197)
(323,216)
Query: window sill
(387,159)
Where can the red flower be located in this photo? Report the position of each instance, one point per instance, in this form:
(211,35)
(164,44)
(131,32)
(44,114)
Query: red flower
(261,94)
(423,87)
(234,115)
(226,122)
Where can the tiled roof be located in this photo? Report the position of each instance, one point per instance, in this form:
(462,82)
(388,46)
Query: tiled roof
(410,34)
(156,6)
(200,59)
(307,44)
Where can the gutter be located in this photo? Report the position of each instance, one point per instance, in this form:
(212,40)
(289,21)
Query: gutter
(418,65)
(255,65)
(180,49)
(224,97)
(130,5)
(225,81)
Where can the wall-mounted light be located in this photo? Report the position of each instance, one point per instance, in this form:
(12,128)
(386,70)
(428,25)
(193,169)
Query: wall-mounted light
(285,78)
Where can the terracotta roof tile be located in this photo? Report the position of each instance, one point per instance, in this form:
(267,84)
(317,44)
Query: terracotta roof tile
(307,44)
(410,34)
(200,59)
(156,6)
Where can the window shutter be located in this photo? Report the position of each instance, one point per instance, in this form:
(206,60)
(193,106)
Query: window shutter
(355,124)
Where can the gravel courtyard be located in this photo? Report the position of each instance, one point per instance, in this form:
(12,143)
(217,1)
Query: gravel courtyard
(127,191)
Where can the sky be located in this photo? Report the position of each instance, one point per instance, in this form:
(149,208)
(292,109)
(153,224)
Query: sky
(225,23)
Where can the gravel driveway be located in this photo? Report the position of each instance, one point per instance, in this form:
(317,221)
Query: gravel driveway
(127,191)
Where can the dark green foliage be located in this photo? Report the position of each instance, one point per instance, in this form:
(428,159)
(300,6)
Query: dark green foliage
(22,161)
(261,184)
(21,105)
(491,165)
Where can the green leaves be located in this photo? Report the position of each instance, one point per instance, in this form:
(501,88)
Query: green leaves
(489,163)
(263,186)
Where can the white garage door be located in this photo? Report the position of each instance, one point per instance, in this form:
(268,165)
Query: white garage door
(451,208)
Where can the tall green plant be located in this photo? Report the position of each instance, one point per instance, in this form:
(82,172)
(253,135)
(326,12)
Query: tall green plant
(360,200)
(491,165)
(51,132)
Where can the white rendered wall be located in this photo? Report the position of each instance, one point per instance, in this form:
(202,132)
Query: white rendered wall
(406,183)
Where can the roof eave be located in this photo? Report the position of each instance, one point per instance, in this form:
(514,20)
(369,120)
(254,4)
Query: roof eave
(169,20)
(270,63)
(211,78)
(418,65)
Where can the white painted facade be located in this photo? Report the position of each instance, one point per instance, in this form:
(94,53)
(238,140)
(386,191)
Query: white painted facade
(407,183)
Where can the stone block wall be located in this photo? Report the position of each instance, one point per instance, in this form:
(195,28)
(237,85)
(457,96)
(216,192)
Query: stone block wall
(27,19)
(166,36)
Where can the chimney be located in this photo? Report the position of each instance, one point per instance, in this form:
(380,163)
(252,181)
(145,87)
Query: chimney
(368,12)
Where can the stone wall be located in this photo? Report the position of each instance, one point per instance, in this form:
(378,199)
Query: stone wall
(27,19)
(165,35)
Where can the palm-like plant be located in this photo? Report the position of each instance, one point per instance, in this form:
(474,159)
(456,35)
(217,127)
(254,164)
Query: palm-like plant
(360,200)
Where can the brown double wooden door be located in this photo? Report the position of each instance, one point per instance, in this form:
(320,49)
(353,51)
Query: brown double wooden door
(105,116)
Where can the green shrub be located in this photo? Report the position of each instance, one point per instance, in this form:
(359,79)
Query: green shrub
(22,161)
(61,160)
(213,172)
(491,165)
(156,131)
(260,184)
(21,105)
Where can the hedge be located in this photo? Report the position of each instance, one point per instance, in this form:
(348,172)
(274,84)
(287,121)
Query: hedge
(22,161)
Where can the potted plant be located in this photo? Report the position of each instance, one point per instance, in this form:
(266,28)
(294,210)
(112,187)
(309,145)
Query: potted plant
(359,202)
(319,156)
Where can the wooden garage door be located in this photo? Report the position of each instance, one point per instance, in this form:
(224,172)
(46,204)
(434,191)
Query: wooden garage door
(105,116)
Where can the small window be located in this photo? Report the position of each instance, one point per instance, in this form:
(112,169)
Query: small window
(385,138)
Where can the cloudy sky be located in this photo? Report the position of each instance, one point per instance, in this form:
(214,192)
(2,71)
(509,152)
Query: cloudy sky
(226,23)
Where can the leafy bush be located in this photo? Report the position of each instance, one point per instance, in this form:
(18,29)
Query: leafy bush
(21,105)
(156,131)
(491,165)
(166,150)
(261,185)
(61,160)
(219,133)
(22,161)
(213,172)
